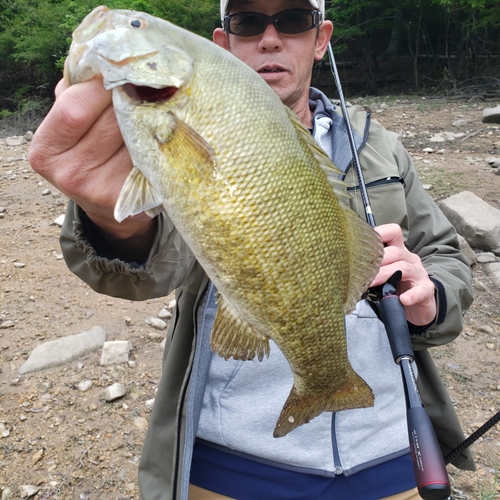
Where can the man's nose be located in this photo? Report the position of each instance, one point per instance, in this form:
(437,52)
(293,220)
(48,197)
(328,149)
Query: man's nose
(270,39)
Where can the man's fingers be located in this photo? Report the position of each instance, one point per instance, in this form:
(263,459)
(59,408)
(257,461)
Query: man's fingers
(391,235)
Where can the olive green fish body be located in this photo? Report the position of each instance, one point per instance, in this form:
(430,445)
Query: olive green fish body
(245,186)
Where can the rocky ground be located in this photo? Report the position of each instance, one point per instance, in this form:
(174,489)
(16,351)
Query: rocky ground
(60,439)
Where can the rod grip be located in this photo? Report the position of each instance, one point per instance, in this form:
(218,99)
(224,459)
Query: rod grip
(393,316)
(428,464)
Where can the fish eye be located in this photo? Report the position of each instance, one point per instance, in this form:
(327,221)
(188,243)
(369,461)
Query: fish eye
(138,23)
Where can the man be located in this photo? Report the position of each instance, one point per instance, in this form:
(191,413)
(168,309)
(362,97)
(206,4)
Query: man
(208,438)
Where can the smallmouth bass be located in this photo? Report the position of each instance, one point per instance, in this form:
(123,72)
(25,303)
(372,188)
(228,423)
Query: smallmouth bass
(257,201)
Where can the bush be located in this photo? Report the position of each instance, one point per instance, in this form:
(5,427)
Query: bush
(30,114)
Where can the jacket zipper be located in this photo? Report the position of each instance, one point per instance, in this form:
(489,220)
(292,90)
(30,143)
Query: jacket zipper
(182,399)
(380,182)
(336,455)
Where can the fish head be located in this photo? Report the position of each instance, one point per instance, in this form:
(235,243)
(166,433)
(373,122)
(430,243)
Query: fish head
(129,49)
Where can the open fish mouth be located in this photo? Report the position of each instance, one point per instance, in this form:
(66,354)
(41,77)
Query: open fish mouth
(145,94)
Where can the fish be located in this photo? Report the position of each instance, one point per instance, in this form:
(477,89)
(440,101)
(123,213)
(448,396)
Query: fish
(260,205)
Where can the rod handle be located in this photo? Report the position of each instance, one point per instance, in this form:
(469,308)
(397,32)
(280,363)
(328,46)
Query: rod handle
(393,316)
(428,464)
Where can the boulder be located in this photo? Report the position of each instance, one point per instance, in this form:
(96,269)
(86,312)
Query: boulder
(491,115)
(474,219)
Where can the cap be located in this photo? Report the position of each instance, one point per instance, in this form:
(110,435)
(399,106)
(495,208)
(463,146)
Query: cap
(317,4)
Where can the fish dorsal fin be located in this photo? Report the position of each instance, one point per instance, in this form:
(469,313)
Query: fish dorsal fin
(366,256)
(233,337)
(331,171)
(364,259)
(137,195)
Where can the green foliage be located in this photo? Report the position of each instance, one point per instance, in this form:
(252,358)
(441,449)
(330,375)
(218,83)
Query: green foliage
(35,36)
(199,16)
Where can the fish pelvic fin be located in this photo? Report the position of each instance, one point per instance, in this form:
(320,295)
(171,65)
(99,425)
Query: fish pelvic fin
(233,337)
(365,257)
(301,408)
(137,195)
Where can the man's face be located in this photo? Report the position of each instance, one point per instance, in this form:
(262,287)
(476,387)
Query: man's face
(283,60)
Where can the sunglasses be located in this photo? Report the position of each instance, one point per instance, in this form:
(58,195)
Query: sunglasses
(291,22)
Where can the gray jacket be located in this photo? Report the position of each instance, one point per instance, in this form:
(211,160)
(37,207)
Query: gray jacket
(173,425)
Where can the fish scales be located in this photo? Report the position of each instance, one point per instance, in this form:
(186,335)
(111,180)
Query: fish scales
(245,186)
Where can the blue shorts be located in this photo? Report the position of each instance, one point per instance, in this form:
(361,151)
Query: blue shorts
(245,479)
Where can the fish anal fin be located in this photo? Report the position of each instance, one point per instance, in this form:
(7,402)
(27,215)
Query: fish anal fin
(364,259)
(234,337)
(193,155)
(301,408)
(137,195)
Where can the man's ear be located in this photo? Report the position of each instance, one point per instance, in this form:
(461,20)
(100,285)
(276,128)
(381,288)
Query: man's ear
(220,37)
(325,33)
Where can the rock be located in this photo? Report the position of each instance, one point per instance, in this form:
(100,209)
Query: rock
(85,385)
(484,258)
(491,115)
(6,493)
(6,324)
(467,251)
(140,422)
(4,430)
(113,392)
(461,122)
(474,219)
(59,221)
(28,136)
(37,456)
(492,270)
(487,329)
(28,490)
(481,286)
(157,323)
(493,162)
(155,337)
(115,352)
(427,150)
(15,140)
(60,351)
(435,138)
(164,314)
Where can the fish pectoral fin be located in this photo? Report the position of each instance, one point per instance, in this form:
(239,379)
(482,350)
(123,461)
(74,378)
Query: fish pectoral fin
(137,196)
(301,408)
(194,155)
(234,337)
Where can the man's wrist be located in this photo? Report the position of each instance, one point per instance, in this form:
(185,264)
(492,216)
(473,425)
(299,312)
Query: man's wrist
(132,243)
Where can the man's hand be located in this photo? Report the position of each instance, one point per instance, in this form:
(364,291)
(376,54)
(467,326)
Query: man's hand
(79,149)
(416,289)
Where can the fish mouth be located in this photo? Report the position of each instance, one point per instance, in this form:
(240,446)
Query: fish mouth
(146,94)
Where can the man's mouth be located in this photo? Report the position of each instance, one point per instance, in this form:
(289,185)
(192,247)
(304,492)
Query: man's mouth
(270,69)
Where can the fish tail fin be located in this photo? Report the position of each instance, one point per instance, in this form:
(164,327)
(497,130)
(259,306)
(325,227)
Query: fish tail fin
(300,409)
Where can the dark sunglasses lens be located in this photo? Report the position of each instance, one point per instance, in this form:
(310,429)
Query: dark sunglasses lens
(247,24)
(294,21)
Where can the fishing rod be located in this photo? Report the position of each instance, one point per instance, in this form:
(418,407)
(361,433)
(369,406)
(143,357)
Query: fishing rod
(428,465)
(472,438)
